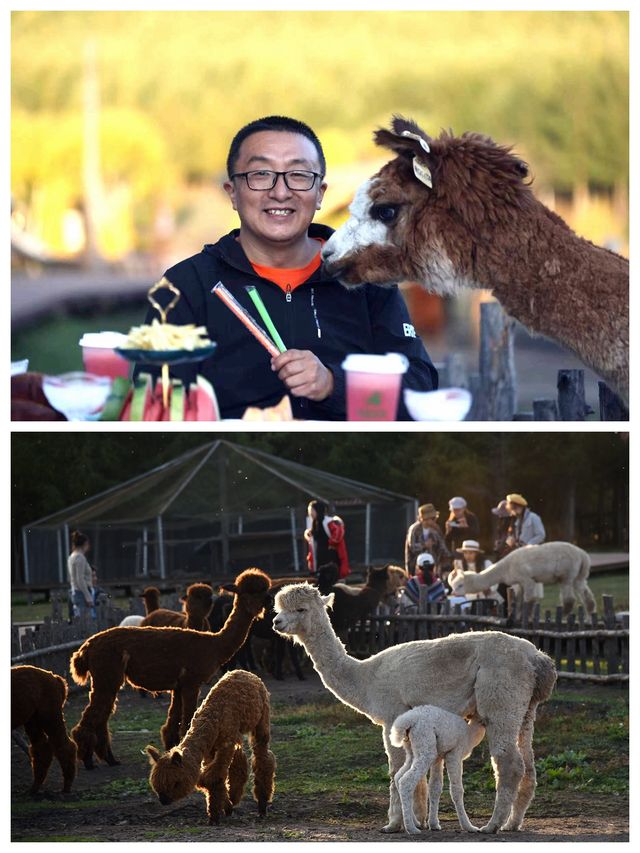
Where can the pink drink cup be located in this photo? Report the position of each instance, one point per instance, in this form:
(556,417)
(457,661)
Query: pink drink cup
(373,386)
(99,358)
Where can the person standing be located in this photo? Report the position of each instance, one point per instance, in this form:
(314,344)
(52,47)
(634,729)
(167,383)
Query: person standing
(325,537)
(80,574)
(425,536)
(462,524)
(503,530)
(528,528)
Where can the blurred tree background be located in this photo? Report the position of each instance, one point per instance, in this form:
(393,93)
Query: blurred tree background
(171,89)
(578,482)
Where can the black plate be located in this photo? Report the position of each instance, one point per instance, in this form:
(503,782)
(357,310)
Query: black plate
(169,356)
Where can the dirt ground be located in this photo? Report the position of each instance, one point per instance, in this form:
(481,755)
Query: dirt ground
(133,816)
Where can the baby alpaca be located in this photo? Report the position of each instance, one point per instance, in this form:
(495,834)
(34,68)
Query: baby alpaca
(432,736)
(210,756)
(196,607)
(37,703)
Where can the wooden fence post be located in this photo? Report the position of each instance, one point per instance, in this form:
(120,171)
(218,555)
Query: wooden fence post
(571,400)
(612,407)
(497,365)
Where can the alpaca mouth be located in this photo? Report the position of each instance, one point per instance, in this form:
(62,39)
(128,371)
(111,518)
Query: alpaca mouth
(165,801)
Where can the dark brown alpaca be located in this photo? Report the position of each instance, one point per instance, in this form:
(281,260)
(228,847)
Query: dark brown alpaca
(210,756)
(353,603)
(196,606)
(176,660)
(151,598)
(37,703)
(479,225)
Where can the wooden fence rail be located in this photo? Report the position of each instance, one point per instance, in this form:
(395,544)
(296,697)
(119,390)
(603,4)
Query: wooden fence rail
(581,646)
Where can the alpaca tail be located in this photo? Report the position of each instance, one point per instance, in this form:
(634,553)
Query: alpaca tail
(545,678)
(400,729)
(79,666)
(581,586)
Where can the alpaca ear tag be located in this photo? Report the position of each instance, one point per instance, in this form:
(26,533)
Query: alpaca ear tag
(422,173)
(423,142)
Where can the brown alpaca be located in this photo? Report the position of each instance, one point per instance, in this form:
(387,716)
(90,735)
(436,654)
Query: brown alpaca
(480,225)
(196,606)
(151,598)
(210,756)
(37,703)
(176,660)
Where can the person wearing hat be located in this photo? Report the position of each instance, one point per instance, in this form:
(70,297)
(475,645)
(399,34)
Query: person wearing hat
(425,576)
(503,530)
(425,536)
(470,557)
(528,528)
(462,524)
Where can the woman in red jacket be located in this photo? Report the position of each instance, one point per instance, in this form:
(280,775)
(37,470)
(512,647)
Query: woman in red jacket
(325,537)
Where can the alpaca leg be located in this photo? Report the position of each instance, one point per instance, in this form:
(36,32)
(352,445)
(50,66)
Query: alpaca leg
(435,791)
(263,762)
(586,596)
(527,787)
(41,753)
(456,789)
(170,730)
(64,748)
(214,781)
(407,800)
(567,597)
(188,705)
(91,734)
(238,775)
(395,757)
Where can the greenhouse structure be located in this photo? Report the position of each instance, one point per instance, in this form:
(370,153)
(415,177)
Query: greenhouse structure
(211,513)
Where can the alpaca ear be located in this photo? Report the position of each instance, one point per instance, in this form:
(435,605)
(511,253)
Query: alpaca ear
(153,753)
(327,600)
(410,141)
(176,758)
(230,587)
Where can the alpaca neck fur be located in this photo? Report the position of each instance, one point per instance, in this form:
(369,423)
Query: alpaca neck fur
(197,744)
(498,573)
(338,671)
(233,633)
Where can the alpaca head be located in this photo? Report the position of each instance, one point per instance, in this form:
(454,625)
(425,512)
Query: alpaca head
(456,582)
(475,733)
(397,578)
(169,777)
(421,216)
(251,588)
(151,594)
(378,577)
(198,599)
(298,608)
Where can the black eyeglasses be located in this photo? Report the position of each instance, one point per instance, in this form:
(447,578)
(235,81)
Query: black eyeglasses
(265,179)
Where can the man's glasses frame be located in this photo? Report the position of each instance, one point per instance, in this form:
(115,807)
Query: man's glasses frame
(309,176)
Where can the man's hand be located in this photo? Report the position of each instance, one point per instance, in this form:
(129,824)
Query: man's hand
(303,374)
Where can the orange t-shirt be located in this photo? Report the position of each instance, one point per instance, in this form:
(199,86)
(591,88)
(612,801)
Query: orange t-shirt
(289,279)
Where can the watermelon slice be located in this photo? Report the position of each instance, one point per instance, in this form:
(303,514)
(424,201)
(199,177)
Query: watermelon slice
(141,398)
(155,408)
(120,389)
(206,400)
(178,401)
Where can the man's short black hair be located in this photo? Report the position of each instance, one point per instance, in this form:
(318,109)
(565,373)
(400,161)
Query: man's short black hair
(278,123)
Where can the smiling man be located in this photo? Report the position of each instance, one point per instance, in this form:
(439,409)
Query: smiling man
(276,169)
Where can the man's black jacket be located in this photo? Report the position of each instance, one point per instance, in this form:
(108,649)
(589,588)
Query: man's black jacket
(319,315)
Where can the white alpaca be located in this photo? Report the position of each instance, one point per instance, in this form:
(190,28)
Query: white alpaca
(131,621)
(500,678)
(432,737)
(527,568)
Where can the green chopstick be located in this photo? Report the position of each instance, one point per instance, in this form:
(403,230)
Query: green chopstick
(262,310)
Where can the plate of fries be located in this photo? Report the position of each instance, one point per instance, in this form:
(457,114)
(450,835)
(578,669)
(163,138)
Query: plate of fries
(166,343)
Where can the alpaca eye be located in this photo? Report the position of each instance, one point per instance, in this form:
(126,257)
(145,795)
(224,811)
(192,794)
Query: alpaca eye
(384,212)
(301,610)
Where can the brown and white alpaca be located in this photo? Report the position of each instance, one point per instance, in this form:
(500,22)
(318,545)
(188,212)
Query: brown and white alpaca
(459,211)
(210,757)
(196,606)
(151,599)
(37,703)
(176,660)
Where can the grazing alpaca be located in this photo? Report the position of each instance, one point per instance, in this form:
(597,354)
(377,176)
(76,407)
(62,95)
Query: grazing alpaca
(37,703)
(151,599)
(351,604)
(474,221)
(196,606)
(499,678)
(210,756)
(527,568)
(431,737)
(178,660)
